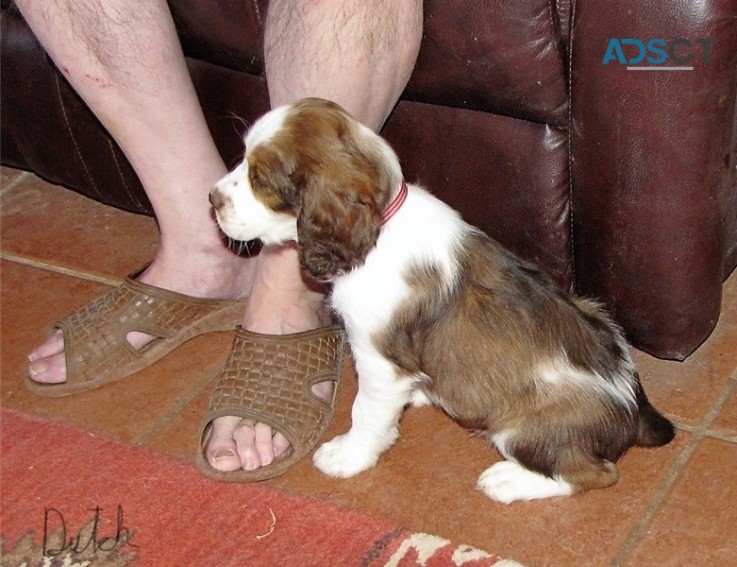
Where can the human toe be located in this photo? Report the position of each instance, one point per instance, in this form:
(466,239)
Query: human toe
(222,452)
(264,443)
(280,444)
(51,370)
(52,346)
(244,435)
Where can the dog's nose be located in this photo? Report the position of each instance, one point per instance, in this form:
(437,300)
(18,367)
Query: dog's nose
(216,199)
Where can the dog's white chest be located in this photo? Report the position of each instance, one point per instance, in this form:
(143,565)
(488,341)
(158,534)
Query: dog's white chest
(366,300)
(423,234)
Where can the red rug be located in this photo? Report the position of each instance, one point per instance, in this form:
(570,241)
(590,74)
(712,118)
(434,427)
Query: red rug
(68,498)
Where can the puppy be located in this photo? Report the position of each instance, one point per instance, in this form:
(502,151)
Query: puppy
(436,311)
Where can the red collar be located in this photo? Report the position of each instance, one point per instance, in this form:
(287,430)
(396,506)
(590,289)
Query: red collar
(396,204)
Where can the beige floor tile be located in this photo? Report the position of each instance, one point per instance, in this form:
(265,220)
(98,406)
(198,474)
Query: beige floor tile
(426,482)
(696,524)
(725,423)
(52,224)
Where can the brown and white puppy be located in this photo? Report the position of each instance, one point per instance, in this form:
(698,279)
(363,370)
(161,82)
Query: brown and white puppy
(437,311)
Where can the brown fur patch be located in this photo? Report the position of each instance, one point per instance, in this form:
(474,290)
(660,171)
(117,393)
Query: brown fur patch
(482,345)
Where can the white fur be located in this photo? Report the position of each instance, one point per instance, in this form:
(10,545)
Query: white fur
(500,442)
(379,402)
(559,373)
(267,126)
(507,481)
(419,399)
(423,232)
(247,218)
(366,299)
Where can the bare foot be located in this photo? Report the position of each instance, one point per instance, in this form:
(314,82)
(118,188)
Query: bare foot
(224,276)
(275,307)
(272,309)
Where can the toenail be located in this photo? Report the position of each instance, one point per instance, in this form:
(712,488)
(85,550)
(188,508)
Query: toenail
(224,454)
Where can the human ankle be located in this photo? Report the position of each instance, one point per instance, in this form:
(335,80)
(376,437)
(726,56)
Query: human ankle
(278,317)
(279,269)
(198,273)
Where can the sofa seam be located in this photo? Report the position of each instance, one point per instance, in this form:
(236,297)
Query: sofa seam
(74,139)
(257,11)
(128,191)
(574,280)
(552,18)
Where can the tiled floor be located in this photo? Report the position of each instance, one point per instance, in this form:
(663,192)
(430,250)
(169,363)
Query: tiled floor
(673,506)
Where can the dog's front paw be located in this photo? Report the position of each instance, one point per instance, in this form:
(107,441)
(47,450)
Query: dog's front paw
(343,457)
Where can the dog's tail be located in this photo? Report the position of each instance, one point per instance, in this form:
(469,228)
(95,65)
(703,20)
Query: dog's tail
(653,430)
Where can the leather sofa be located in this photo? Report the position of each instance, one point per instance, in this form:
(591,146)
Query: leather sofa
(620,183)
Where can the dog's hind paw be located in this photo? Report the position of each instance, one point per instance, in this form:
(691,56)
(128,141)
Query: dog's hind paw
(507,482)
(343,457)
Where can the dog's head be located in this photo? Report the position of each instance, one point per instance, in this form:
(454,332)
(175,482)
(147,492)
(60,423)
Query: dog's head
(313,174)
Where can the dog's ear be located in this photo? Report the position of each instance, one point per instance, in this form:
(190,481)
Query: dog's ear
(344,184)
(340,215)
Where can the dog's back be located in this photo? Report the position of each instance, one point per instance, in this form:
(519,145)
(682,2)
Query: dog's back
(546,376)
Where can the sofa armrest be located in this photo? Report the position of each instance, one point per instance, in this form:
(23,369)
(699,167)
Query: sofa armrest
(652,152)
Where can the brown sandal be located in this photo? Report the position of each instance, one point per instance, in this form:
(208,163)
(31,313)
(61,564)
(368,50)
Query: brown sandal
(95,337)
(269,378)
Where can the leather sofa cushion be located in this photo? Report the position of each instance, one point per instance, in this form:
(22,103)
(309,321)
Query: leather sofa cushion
(476,54)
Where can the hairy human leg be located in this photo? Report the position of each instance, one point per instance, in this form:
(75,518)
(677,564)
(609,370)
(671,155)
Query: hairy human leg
(360,54)
(125,60)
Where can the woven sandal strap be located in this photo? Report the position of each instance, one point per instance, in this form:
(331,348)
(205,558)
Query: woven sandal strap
(167,295)
(137,306)
(161,312)
(268,378)
(95,336)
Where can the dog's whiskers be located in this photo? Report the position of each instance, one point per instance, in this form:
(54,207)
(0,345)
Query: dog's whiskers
(242,248)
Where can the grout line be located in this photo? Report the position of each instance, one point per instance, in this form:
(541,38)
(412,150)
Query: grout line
(665,487)
(50,267)
(727,436)
(721,434)
(682,425)
(17,181)
(673,473)
(174,411)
